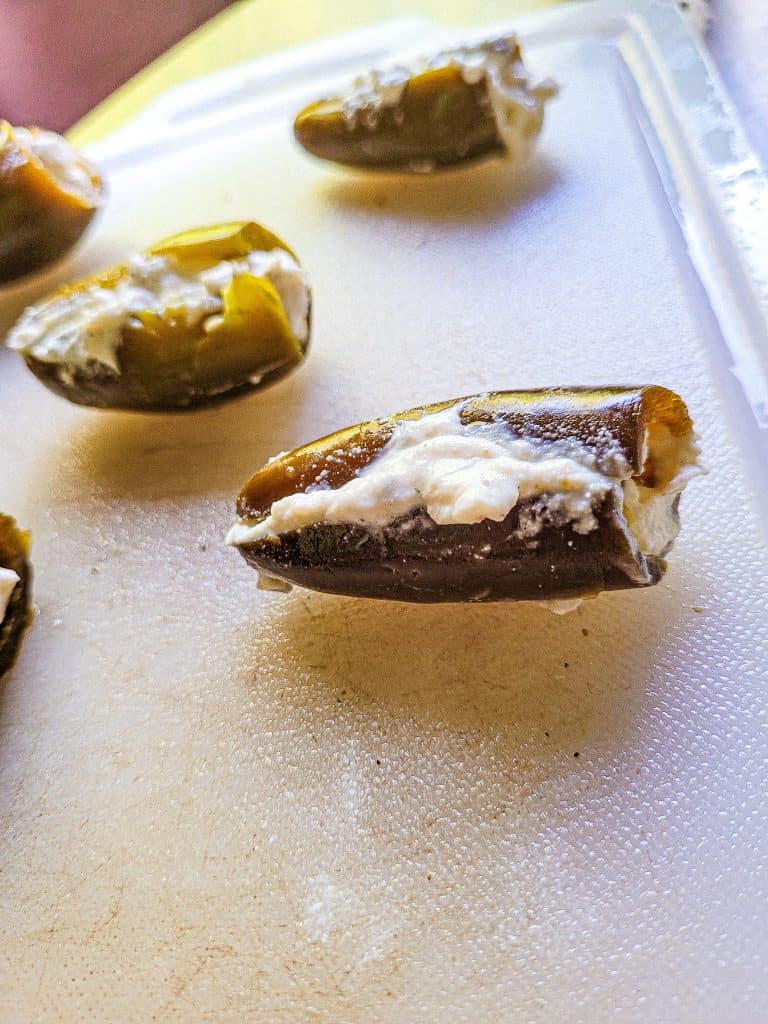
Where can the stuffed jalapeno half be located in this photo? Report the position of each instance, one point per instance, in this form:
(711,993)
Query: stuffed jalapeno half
(555,494)
(48,194)
(430,112)
(15,589)
(196,319)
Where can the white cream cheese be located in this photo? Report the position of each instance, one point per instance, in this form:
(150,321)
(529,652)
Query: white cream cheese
(517,104)
(60,159)
(83,328)
(460,473)
(8,582)
(650,509)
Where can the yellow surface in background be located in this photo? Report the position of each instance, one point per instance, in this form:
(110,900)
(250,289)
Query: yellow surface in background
(252,28)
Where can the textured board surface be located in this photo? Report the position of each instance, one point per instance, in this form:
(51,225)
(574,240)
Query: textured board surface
(219,804)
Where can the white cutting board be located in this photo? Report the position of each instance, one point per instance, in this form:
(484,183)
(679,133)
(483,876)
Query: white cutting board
(219,804)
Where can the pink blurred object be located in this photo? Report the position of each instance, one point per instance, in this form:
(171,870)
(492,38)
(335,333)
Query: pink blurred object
(62,57)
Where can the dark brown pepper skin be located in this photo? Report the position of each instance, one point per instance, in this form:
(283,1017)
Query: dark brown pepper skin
(440,120)
(36,240)
(14,546)
(106,390)
(415,559)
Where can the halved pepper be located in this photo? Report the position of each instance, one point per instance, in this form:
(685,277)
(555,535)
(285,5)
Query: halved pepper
(16,589)
(589,478)
(457,105)
(197,319)
(48,195)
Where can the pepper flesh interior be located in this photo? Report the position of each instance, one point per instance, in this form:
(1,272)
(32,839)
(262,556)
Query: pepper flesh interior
(669,461)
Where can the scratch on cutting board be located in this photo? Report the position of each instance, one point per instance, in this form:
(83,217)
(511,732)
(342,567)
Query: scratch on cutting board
(43,972)
(180,986)
(112,913)
(181,982)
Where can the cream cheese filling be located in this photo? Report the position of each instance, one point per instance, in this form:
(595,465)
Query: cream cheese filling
(63,162)
(650,511)
(516,103)
(460,473)
(83,328)
(8,581)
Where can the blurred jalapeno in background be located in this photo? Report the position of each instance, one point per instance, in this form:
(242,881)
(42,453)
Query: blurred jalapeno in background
(195,319)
